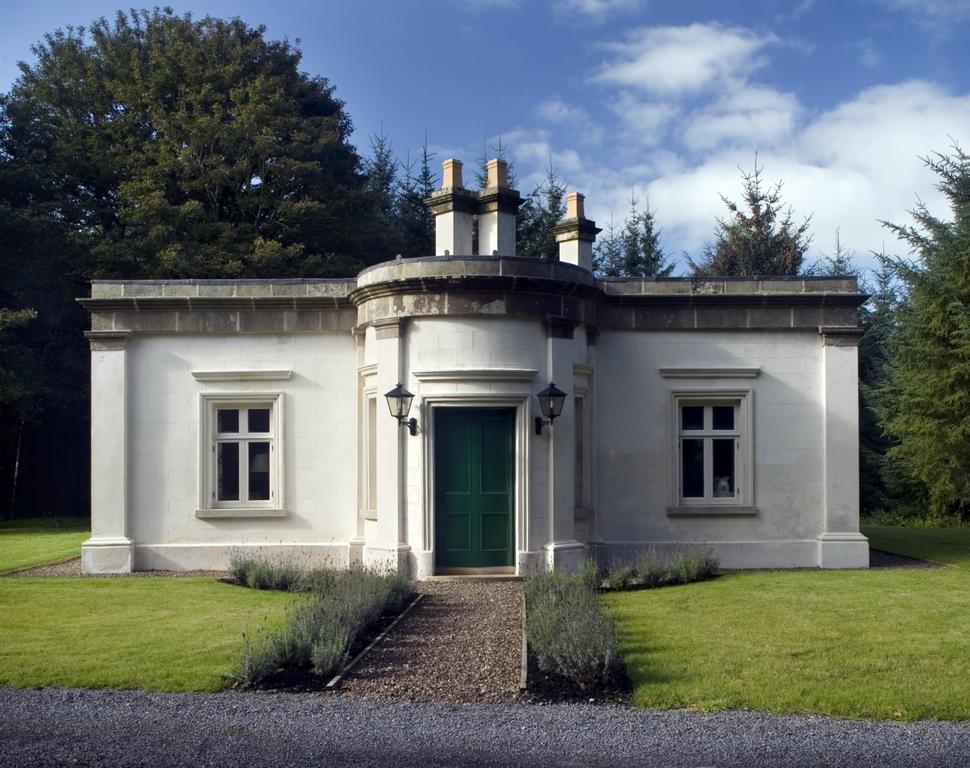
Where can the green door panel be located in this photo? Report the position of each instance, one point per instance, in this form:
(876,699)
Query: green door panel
(474,484)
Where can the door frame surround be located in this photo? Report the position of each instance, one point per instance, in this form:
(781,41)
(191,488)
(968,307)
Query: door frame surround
(519,401)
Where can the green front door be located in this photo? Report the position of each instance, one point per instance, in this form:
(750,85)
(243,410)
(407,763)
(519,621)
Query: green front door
(474,480)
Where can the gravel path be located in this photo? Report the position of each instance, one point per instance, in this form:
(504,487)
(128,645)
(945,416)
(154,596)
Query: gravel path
(463,642)
(71,569)
(49,727)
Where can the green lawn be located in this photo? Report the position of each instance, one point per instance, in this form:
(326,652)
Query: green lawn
(40,540)
(941,545)
(879,644)
(154,634)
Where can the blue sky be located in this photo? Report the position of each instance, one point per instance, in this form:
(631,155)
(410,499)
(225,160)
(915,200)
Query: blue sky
(665,100)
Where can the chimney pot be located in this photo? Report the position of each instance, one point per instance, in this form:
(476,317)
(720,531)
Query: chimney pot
(451,178)
(575,208)
(497,173)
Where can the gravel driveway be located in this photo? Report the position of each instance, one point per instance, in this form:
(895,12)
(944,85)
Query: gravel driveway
(49,727)
(462,642)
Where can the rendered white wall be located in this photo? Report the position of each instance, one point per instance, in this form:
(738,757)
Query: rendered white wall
(164,441)
(634,441)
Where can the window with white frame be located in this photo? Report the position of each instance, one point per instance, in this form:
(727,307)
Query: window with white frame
(242,469)
(712,464)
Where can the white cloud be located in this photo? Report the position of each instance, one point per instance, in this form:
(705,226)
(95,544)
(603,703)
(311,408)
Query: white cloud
(643,121)
(935,14)
(595,9)
(675,61)
(850,167)
(753,116)
(558,111)
(869,55)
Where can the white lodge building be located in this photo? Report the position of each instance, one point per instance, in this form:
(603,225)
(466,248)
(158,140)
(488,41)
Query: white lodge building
(251,414)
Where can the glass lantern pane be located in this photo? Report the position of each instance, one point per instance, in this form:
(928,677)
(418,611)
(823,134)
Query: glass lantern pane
(692,417)
(227,420)
(722,466)
(692,468)
(723,416)
(259,419)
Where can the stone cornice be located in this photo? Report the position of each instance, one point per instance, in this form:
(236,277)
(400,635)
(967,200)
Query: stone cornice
(212,303)
(472,284)
(107,341)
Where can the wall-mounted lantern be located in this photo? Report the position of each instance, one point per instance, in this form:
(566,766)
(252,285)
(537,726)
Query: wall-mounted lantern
(399,401)
(551,401)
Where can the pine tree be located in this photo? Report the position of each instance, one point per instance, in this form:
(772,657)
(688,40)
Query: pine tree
(415,219)
(608,252)
(640,241)
(759,238)
(840,264)
(381,172)
(925,403)
(489,152)
(538,215)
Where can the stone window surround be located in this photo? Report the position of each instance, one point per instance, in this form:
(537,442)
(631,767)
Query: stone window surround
(211,510)
(744,503)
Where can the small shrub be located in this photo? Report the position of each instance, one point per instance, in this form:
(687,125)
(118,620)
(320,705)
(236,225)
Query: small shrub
(283,574)
(589,573)
(622,577)
(568,634)
(321,633)
(651,569)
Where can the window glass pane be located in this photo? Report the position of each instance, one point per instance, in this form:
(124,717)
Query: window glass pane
(227,420)
(580,472)
(723,467)
(692,417)
(723,416)
(227,471)
(258,471)
(259,419)
(692,468)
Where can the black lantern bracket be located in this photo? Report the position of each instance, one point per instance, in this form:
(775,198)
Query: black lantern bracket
(399,403)
(551,401)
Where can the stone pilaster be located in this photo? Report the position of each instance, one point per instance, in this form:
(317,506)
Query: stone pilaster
(563,551)
(385,547)
(109,550)
(840,545)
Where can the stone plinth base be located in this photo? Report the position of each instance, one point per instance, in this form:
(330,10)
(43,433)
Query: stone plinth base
(843,550)
(107,554)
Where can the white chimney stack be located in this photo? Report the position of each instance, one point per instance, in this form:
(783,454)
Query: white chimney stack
(576,234)
(454,208)
(498,206)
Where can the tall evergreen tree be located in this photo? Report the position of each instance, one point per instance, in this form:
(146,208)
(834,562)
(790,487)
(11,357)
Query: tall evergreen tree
(925,403)
(538,215)
(841,263)
(608,251)
(489,152)
(640,239)
(759,238)
(381,173)
(414,217)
